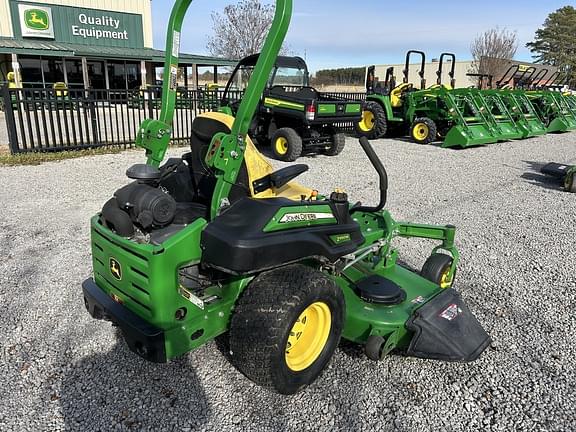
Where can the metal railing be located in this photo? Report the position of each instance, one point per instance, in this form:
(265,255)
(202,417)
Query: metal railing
(55,120)
(75,119)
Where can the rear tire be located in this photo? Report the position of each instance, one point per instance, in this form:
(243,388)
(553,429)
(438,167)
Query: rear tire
(286,327)
(338,144)
(374,123)
(436,269)
(286,145)
(570,183)
(423,130)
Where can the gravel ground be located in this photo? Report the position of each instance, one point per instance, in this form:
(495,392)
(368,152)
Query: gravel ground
(61,370)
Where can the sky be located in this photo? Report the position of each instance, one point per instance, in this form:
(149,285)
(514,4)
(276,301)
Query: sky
(344,33)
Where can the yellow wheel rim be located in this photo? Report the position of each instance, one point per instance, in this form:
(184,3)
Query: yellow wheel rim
(420,131)
(281,145)
(367,122)
(446,279)
(308,336)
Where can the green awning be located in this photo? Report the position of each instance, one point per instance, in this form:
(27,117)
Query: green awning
(62,49)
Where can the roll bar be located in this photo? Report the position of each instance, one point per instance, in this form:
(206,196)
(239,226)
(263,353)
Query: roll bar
(514,68)
(226,152)
(523,78)
(552,79)
(406,70)
(539,77)
(452,69)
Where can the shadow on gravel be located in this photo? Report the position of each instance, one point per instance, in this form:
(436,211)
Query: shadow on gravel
(535,177)
(116,391)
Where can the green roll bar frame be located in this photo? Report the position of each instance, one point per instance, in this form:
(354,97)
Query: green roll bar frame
(226,151)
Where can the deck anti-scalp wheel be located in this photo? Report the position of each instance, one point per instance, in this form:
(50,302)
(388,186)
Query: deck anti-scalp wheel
(286,326)
(437,269)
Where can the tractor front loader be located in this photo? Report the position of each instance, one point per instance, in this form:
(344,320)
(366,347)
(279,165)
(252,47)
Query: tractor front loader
(219,244)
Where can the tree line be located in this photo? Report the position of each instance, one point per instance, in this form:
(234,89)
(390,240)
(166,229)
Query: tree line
(341,77)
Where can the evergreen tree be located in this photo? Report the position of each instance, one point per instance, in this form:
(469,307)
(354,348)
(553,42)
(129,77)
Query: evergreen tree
(555,43)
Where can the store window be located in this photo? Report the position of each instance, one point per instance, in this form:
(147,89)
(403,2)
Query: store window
(53,69)
(124,75)
(74,73)
(31,71)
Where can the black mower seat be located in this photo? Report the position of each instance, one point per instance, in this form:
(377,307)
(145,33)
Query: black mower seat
(236,241)
(203,129)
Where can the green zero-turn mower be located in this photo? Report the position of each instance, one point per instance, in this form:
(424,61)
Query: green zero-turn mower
(217,244)
(565,173)
(292,116)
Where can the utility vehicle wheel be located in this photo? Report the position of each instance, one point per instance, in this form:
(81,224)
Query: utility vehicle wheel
(374,347)
(286,145)
(285,327)
(437,269)
(423,130)
(373,124)
(338,144)
(570,183)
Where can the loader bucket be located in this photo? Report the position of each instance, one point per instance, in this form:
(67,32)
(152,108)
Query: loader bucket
(558,125)
(468,136)
(532,126)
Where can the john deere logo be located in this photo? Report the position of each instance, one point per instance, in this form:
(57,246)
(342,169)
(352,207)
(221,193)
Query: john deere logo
(36,19)
(115,269)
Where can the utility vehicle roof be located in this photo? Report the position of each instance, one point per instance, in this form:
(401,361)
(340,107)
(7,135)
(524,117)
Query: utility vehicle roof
(281,61)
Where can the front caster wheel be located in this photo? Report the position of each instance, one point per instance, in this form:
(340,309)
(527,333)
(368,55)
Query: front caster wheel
(285,327)
(375,348)
(437,269)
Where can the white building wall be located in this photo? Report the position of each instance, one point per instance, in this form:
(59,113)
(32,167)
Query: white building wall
(5,21)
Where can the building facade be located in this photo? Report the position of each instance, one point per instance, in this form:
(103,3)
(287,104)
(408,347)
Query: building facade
(100,44)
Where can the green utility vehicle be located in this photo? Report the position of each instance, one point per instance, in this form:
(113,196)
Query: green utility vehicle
(565,173)
(292,116)
(217,244)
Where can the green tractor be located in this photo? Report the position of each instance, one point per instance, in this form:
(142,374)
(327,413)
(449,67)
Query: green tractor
(292,116)
(556,110)
(458,117)
(216,244)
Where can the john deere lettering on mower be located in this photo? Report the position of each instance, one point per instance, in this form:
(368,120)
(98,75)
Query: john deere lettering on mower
(218,244)
(292,116)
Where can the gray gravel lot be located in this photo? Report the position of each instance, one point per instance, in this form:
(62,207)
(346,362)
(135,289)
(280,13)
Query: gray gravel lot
(61,370)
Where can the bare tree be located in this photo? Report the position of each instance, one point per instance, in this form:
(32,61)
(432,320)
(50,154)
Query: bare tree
(241,29)
(493,50)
